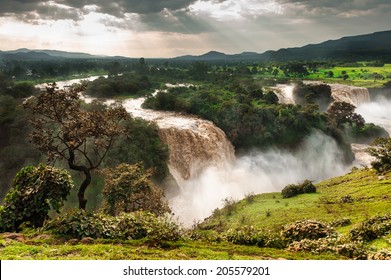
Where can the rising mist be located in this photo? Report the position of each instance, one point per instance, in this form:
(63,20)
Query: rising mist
(258,172)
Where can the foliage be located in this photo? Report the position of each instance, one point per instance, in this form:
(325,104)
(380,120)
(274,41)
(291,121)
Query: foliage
(251,236)
(342,113)
(381,150)
(129,188)
(63,130)
(306,229)
(113,86)
(229,205)
(367,133)
(349,250)
(136,225)
(319,94)
(341,222)
(34,192)
(249,119)
(372,228)
(381,255)
(293,190)
(140,143)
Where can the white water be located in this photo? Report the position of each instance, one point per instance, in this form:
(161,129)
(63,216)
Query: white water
(258,172)
(377,112)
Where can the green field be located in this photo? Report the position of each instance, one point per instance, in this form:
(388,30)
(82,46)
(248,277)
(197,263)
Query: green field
(365,76)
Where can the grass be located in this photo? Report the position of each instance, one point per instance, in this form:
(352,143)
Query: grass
(370,196)
(136,250)
(361,76)
(364,76)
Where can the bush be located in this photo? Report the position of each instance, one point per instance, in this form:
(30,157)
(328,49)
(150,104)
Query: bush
(381,255)
(372,228)
(129,188)
(34,192)
(249,235)
(381,150)
(136,225)
(347,199)
(341,222)
(349,250)
(307,229)
(293,190)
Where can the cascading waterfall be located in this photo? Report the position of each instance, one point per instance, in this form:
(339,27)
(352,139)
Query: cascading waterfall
(350,94)
(376,111)
(340,93)
(203,163)
(194,143)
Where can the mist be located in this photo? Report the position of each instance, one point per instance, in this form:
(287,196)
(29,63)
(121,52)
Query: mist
(377,112)
(258,172)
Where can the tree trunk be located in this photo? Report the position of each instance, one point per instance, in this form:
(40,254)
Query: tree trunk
(82,189)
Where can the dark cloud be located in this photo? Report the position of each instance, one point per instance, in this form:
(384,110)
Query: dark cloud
(47,8)
(179,22)
(340,5)
(17,6)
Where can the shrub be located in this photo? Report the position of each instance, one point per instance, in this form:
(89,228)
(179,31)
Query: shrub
(229,205)
(306,229)
(349,250)
(246,235)
(372,228)
(34,192)
(341,222)
(293,190)
(381,255)
(129,188)
(347,199)
(249,235)
(136,225)
(381,150)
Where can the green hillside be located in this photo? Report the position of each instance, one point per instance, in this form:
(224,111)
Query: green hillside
(343,206)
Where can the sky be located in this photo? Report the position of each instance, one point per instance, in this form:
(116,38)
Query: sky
(169,28)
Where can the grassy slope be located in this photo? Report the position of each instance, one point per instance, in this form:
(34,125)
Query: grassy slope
(371,197)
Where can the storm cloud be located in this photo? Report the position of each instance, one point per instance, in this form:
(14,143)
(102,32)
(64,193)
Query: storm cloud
(226,25)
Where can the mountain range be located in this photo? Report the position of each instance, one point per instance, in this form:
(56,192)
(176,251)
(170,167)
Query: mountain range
(369,46)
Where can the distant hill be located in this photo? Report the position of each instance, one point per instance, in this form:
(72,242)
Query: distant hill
(362,47)
(370,46)
(27,54)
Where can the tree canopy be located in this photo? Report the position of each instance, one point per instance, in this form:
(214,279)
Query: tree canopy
(63,130)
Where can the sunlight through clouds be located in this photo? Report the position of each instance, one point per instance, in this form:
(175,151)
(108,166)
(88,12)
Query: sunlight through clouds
(237,9)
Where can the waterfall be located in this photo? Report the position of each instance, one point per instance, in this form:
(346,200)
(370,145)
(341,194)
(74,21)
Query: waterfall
(350,94)
(284,93)
(340,93)
(194,144)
